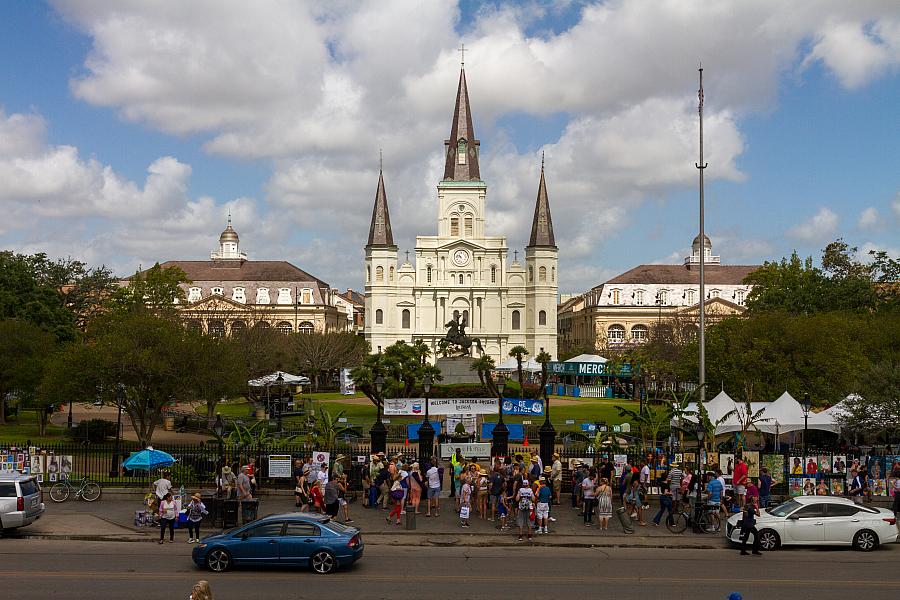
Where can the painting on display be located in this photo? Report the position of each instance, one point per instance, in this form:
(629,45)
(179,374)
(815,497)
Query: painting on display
(796,486)
(619,462)
(37,464)
(690,459)
(892,485)
(775,464)
(65,466)
(52,466)
(726,463)
(824,463)
(679,458)
(809,486)
(822,488)
(712,458)
(839,464)
(751,457)
(811,465)
(875,467)
(837,487)
(879,487)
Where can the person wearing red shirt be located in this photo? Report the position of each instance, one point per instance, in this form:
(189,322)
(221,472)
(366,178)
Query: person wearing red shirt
(740,480)
(811,467)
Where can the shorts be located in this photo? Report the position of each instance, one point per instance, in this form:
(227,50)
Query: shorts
(523,518)
(495,500)
(740,490)
(542,511)
(434,493)
(557,485)
(502,510)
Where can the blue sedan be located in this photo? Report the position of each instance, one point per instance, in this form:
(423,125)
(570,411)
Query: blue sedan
(300,539)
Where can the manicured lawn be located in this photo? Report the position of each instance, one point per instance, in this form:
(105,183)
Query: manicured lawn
(24,427)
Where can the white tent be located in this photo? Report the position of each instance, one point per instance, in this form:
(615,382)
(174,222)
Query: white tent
(510,364)
(273,380)
(784,415)
(587,358)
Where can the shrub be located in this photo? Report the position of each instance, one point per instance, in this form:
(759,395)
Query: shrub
(93,430)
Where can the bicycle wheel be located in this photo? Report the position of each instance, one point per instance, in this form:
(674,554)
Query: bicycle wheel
(59,492)
(678,523)
(711,522)
(90,492)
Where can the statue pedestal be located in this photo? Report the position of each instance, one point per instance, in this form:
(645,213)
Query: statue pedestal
(457,370)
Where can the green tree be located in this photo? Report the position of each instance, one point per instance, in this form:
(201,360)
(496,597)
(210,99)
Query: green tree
(264,350)
(219,370)
(157,288)
(519,352)
(484,365)
(25,350)
(651,421)
(327,428)
(875,409)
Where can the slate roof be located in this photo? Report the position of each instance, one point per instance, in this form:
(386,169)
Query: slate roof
(462,129)
(542,225)
(675,274)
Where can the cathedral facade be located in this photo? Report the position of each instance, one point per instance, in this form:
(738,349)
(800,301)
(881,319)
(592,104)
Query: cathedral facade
(461,273)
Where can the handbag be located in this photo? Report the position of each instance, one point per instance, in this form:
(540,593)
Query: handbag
(464,512)
(397,494)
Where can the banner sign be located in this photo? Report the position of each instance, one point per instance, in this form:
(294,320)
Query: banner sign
(348,386)
(319,459)
(474,450)
(585,368)
(280,465)
(440,406)
(468,422)
(513,406)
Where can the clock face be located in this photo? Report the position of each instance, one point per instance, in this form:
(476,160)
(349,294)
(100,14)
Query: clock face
(460,258)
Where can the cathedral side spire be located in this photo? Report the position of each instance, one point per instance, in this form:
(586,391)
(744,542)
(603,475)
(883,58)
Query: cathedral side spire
(542,226)
(380,230)
(462,147)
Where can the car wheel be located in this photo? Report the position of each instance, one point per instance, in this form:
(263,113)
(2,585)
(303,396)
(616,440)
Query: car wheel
(865,540)
(323,562)
(218,560)
(769,540)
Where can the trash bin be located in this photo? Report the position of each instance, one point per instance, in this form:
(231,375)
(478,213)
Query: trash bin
(410,519)
(229,514)
(213,507)
(249,510)
(625,519)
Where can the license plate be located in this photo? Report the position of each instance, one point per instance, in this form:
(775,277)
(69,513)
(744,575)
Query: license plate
(34,503)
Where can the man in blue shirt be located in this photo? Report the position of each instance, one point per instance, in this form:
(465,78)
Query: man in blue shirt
(765,488)
(714,489)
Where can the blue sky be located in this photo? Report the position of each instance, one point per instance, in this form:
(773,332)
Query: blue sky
(128,130)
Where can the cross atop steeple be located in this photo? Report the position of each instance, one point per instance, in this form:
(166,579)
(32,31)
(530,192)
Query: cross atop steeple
(462,55)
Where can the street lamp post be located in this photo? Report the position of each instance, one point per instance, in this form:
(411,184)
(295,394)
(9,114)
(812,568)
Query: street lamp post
(114,465)
(547,433)
(806,405)
(426,429)
(698,506)
(500,435)
(378,432)
(219,429)
(280,406)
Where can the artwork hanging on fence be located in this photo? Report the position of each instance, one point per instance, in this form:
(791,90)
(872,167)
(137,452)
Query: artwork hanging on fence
(839,464)
(837,487)
(690,459)
(726,463)
(875,467)
(679,458)
(796,465)
(775,464)
(712,460)
(892,485)
(879,487)
(796,486)
(619,461)
(37,464)
(65,465)
(822,488)
(824,463)
(809,487)
(52,466)
(751,457)
(811,465)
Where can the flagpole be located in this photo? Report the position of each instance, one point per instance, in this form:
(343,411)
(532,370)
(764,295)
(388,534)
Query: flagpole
(701,166)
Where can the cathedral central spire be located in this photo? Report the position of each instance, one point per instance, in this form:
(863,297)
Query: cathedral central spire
(542,225)
(462,147)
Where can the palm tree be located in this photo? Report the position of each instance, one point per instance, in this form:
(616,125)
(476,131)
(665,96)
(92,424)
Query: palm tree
(421,350)
(650,421)
(484,365)
(327,429)
(747,418)
(519,352)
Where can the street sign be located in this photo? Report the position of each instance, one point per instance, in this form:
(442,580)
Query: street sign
(474,450)
(586,369)
(342,419)
(570,421)
(279,465)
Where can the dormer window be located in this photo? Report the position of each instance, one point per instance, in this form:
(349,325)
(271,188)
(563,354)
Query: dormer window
(284,296)
(217,291)
(262,296)
(237,294)
(193,294)
(307,296)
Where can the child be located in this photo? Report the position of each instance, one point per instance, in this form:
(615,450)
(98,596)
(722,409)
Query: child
(465,503)
(503,508)
(195,511)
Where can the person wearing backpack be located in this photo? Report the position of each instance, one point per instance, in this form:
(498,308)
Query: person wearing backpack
(524,504)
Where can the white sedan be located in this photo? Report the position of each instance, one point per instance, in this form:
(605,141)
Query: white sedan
(820,521)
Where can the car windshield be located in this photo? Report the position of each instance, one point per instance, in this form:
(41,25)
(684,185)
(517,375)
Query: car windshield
(29,487)
(784,508)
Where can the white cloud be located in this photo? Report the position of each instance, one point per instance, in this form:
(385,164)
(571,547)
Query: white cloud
(817,228)
(869,218)
(858,52)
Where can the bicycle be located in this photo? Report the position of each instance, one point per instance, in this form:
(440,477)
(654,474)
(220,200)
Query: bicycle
(87,491)
(682,519)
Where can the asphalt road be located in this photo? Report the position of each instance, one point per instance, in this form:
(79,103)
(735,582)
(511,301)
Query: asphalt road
(87,570)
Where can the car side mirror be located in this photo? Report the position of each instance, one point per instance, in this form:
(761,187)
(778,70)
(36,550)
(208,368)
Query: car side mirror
(245,535)
(794,517)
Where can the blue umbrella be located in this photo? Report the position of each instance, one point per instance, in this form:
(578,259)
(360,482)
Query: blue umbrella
(148,459)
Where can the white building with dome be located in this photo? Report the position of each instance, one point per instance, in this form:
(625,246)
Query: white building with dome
(461,270)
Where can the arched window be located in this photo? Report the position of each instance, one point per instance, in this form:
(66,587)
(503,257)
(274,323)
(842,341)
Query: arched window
(284,327)
(194,325)
(542,317)
(469,224)
(216,328)
(368,274)
(465,316)
(615,334)
(305,327)
(262,324)
(542,274)
(428,274)
(639,297)
(392,274)
(461,281)
(461,152)
(379,274)
(739,297)
(404,319)
(530,273)
(379,317)
(194,294)
(516,320)
(493,273)
(639,333)
(553,274)
(454,225)
(615,296)
(238,328)
(217,291)
(284,296)
(238,295)
(691,296)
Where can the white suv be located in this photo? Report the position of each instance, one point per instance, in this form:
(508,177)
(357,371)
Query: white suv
(20,500)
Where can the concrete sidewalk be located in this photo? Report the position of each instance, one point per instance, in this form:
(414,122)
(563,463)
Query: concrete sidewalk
(112,519)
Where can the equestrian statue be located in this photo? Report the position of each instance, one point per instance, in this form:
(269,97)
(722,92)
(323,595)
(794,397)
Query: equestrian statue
(456,335)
